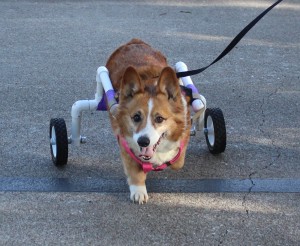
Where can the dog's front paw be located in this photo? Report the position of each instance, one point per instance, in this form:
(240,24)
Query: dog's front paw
(138,194)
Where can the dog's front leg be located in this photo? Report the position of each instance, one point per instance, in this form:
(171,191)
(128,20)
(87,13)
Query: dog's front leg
(137,186)
(136,181)
(138,193)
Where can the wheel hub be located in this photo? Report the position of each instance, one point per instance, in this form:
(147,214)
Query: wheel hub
(210,131)
(53,142)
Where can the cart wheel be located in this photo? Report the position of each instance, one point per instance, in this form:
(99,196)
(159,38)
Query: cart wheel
(58,141)
(215,130)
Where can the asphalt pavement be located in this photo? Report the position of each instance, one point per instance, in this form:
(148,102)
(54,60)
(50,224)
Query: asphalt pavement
(249,195)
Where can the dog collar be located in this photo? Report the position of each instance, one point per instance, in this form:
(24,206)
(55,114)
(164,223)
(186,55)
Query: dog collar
(147,166)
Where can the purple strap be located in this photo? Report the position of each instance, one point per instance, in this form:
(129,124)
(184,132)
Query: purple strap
(108,98)
(193,88)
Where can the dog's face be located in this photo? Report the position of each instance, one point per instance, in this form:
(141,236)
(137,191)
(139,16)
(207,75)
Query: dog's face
(152,115)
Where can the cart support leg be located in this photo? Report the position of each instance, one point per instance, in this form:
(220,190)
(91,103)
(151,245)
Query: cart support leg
(103,78)
(103,85)
(76,113)
(198,105)
(199,101)
(78,108)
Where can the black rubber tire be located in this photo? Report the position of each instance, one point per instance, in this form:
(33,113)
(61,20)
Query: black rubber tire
(218,145)
(59,151)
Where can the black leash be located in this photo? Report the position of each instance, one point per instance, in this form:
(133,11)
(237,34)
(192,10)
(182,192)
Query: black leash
(233,43)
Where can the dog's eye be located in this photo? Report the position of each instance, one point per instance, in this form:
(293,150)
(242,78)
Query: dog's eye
(137,118)
(159,119)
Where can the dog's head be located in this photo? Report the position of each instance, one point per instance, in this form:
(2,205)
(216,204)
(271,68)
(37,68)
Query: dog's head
(152,116)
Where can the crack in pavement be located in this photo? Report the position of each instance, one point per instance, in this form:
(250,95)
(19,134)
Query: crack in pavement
(223,237)
(248,193)
(273,161)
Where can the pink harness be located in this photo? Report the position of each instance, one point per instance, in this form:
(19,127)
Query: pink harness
(147,166)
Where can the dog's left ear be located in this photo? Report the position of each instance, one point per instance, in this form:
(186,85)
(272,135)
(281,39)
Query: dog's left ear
(169,84)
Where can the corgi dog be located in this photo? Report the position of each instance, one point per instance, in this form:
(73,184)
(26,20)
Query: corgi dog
(152,121)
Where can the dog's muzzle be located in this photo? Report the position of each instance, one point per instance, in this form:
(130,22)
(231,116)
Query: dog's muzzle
(146,151)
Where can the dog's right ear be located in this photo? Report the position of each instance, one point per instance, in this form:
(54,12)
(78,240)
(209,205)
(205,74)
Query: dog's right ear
(131,83)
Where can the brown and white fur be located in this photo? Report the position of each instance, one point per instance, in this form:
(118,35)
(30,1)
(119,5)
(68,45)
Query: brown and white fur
(152,115)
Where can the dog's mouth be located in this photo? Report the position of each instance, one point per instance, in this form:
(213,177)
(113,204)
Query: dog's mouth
(148,152)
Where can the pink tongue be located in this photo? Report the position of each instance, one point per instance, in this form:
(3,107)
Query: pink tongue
(147,151)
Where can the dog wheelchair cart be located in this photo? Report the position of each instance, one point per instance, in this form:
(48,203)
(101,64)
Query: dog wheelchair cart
(209,120)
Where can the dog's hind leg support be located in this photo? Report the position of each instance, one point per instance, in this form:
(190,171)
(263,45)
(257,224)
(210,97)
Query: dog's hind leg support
(103,78)
(199,101)
(77,109)
(99,103)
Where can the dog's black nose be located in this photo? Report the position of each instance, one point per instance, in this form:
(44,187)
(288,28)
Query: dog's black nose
(143,141)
